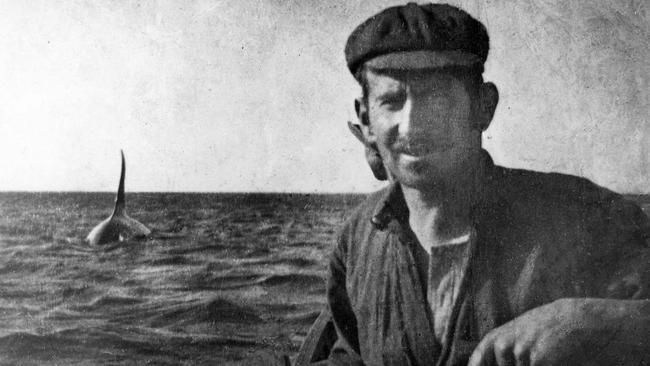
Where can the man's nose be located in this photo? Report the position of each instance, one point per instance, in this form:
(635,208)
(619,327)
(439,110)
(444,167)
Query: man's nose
(416,117)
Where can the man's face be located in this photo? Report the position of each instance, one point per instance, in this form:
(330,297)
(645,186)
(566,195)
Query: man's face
(421,123)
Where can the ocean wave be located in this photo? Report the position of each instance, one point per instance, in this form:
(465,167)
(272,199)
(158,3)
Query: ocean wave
(213,310)
(18,265)
(208,280)
(175,260)
(293,261)
(294,279)
(92,346)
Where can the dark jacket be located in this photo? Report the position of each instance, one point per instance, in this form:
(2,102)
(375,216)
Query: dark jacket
(540,237)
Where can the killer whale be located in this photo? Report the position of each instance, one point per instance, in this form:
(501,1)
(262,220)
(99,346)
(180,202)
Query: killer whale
(119,226)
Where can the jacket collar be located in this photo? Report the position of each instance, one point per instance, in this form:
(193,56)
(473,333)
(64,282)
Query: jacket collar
(392,206)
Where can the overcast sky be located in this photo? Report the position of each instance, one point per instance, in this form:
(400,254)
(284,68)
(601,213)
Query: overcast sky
(254,95)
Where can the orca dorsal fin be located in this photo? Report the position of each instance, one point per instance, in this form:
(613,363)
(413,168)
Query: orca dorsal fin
(120,205)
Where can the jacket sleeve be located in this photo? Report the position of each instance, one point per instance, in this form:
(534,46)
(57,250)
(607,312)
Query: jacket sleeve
(621,261)
(346,348)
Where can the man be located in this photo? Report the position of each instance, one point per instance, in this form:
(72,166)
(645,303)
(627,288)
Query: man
(460,261)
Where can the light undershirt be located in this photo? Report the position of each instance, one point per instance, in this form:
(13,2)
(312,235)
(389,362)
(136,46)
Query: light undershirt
(445,273)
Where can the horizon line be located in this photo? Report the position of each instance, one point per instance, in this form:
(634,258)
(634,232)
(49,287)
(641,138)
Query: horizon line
(241,192)
(193,192)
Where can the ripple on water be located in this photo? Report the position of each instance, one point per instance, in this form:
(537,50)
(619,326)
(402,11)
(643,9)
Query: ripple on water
(213,310)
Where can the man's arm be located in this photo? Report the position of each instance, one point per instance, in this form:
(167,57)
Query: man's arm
(571,332)
(346,348)
(612,329)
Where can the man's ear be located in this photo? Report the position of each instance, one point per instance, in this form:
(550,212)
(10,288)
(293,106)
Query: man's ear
(363,133)
(362,112)
(356,131)
(488,98)
(364,122)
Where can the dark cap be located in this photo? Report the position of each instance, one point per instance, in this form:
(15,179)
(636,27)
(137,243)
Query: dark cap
(416,36)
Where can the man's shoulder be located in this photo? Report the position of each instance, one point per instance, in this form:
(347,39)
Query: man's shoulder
(363,213)
(568,202)
(369,216)
(550,187)
(353,234)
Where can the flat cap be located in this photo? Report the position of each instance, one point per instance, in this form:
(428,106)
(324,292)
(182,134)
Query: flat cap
(416,36)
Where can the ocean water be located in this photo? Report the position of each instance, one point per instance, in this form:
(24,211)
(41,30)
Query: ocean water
(225,279)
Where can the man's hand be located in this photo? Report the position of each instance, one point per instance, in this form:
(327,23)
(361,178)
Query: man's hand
(570,332)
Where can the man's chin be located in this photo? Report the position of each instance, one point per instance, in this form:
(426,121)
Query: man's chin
(419,177)
(424,171)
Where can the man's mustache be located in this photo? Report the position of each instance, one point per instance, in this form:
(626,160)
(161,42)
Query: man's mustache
(419,146)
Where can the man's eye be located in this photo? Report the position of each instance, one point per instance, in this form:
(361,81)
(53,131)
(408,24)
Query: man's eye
(393,101)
